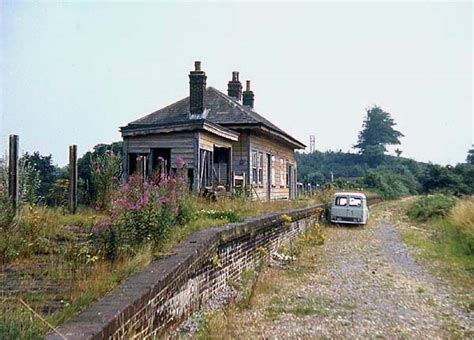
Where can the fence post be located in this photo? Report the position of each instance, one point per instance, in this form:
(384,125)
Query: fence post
(72,179)
(13,170)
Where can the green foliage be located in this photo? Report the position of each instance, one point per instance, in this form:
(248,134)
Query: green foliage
(88,190)
(29,182)
(229,215)
(143,212)
(377,132)
(47,172)
(430,206)
(470,156)
(316,168)
(106,171)
(439,178)
(58,195)
(186,210)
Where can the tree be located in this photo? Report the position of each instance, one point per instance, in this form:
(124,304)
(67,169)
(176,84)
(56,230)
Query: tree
(377,132)
(398,152)
(47,171)
(470,156)
(87,186)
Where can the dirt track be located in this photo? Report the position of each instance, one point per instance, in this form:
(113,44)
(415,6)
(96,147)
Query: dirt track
(361,283)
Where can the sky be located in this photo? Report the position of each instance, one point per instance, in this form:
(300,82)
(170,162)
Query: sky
(73,73)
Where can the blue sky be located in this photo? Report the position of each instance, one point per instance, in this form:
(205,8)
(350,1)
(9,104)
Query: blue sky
(73,73)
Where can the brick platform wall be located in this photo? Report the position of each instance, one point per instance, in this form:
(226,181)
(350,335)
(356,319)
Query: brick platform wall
(154,300)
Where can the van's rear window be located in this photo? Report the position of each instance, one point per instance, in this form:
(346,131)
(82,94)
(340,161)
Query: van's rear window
(341,201)
(355,202)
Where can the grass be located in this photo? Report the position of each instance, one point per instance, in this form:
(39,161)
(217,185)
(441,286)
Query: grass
(66,261)
(265,297)
(444,242)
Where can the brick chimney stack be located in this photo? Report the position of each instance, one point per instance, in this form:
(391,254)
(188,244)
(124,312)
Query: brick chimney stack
(234,87)
(248,96)
(197,88)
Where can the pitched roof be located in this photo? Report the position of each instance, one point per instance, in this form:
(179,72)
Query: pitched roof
(220,108)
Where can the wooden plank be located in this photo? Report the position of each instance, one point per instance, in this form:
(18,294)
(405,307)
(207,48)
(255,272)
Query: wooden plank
(13,170)
(73,179)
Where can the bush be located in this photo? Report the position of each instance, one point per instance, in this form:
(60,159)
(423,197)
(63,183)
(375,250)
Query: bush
(143,212)
(430,206)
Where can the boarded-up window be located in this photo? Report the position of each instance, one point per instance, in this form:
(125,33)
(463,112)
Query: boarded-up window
(273,171)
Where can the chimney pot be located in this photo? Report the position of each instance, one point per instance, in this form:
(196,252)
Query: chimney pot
(197,66)
(234,87)
(248,96)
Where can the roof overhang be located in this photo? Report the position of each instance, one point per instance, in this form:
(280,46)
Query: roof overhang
(294,143)
(132,130)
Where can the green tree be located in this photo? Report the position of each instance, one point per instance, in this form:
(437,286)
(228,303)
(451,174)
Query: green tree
(87,187)
(47,171)
(377,132)
(470,156)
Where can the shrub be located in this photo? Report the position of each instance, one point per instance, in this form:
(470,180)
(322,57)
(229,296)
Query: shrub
(106,170)
(430,206)
(142,212)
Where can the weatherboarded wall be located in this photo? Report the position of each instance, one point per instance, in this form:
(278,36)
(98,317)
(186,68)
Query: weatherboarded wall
(151,302)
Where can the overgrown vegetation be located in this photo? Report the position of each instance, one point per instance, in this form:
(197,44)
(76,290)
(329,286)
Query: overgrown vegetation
(262,287)
(371,169)
(73,260)
(427,207)
(441,228)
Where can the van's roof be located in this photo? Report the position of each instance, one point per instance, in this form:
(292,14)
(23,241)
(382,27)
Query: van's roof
(356,194)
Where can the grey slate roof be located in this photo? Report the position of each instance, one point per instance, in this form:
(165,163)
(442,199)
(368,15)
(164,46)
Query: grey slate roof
(222,110)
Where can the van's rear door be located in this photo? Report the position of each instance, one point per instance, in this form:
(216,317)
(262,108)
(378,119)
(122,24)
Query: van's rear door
(355,208)
(339,207)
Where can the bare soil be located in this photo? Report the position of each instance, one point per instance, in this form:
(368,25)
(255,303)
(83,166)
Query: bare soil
(362,283)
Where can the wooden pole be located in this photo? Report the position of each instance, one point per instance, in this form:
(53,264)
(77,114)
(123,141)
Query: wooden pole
(13,170)
(73,179)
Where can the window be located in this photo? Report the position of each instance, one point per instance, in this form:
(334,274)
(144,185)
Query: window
(287,172)
(260,168)
(273,171)
(254,167)
(355,202)
(282,172)
(341,201)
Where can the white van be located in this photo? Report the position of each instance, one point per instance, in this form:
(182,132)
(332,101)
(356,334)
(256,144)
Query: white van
(350,208)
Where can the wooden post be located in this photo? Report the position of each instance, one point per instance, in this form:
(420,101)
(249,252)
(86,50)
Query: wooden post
(13,170)
(73,179)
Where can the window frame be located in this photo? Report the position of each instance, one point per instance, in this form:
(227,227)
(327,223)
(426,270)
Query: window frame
(273,171)
(338,199)
(260,168)
(254,167)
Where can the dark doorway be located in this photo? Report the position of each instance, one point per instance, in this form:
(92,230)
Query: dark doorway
(161,157)
(221,165)
(269,176)
(133,159)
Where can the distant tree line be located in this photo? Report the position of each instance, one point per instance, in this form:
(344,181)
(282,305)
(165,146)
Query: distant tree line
(372,168)
(43,182)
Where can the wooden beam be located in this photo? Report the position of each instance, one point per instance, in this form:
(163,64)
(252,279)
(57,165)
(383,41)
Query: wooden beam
(13,170)
(73,179)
